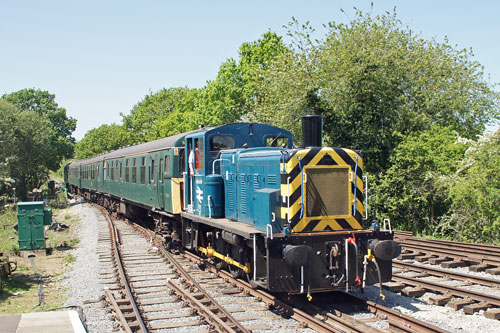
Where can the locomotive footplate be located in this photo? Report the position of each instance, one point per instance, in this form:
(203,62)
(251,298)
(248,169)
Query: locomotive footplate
(243,229)
(328,261)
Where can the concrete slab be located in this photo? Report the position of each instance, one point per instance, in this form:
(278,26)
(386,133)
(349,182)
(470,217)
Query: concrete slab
(8,323)
(42,322)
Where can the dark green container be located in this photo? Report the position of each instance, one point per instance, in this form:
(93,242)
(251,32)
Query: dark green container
(31,219)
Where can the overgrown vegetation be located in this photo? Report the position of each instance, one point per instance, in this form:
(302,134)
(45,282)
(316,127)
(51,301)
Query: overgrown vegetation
(35,136)
(8,236)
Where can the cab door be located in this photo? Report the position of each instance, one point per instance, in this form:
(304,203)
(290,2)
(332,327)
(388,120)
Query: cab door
(160,189)
(167,181)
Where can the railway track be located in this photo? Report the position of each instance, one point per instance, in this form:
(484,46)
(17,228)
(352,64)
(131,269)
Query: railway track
(169,292)
(315,315)
(416,273)
(172,293)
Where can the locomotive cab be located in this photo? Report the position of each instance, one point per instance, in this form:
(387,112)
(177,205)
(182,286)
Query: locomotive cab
(203,179)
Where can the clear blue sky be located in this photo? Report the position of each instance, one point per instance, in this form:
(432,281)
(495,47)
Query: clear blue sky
(102,57)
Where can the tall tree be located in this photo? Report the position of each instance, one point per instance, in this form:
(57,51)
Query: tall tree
(235,92)
(145,117)
(43,103)
(27,150)
(102,139)
(375,81)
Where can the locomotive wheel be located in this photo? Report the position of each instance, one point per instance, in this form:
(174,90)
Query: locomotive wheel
(238,254)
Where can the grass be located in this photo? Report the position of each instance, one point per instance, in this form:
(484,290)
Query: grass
(8,236)
(20,293)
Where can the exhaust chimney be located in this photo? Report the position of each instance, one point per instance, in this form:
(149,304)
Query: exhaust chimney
(312,130)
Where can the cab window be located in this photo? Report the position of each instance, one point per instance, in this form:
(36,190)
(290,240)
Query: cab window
(278,141)
(220,142)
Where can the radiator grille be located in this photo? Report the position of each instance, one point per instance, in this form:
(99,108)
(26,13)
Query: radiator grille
(230,194)
(327,192)
(243,194)
(272,179)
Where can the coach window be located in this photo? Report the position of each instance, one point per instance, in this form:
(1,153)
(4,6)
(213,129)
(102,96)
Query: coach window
(152,171)
(127,171)
(160,165)
(143,170)
(182,166)
(155,170)
(167,166)
(117,170)
(134,171)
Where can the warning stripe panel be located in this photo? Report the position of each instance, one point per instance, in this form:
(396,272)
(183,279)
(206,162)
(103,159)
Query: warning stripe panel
(292,191)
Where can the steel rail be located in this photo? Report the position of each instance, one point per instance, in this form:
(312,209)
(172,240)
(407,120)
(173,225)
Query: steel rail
(396,319)
(341,323)
(451,247)
(408,236)
(452,254)
(115,244)
(302,317)
(341,319)
(449,290)
(207,313)
(118,311)
(232,325)
(446,273)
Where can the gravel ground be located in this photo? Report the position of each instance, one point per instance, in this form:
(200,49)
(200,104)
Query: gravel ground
(82,281)
(440,316)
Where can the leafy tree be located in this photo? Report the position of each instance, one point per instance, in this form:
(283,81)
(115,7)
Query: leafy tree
(6,149)
(143,121)
(227,99)
(235,92)
(375,81)
(475,193)
(27,150)
(414,190)
(43,103)
(102,139)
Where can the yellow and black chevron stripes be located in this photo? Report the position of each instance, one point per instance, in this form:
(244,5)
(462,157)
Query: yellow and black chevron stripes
(294,194)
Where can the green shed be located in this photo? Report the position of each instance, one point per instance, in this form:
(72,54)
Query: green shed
(31,219)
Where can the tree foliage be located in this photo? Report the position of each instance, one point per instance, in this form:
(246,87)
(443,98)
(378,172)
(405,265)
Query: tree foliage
(233,95)
(414,190)
(475,193)
(26,150)
(144,120)
(43,103)
(375,82)
(228,98)
(102,139)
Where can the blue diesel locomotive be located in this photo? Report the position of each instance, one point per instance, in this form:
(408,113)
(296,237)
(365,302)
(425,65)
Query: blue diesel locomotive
(289,219)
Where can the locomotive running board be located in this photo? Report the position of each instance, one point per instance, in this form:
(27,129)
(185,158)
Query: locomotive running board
(239,228)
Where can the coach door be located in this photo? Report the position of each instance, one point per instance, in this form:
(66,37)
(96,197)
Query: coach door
(153,180)
(160,194)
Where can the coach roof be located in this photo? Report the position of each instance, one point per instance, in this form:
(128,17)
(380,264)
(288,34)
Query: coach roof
(168,142)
